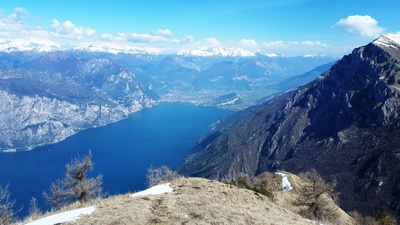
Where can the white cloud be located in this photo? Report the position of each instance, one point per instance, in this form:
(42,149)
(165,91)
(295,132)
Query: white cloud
(248,43)
(212,41)
(275,44)
(308,44)
(9,24)
(162,32)
(90,32)
(187,39)
(364,26)
(293,48)
(147,38)
(68,29)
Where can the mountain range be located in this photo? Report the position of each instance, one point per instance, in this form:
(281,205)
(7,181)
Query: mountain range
(43,45)
(344,124)
(47,96)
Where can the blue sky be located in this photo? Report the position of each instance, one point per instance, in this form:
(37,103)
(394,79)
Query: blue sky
(289,27)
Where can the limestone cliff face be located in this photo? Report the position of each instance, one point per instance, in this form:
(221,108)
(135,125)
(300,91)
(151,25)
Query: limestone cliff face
(47,97)
(344,124)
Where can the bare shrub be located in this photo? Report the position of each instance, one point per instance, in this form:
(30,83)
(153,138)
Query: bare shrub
(6,206)
(384,218)
(316,197)
(362,220)
(242,180)
(34,209)
(268,181)
(160,175)
(75,186)
(258,184)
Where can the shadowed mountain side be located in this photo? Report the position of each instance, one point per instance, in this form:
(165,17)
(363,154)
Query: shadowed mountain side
(344,124)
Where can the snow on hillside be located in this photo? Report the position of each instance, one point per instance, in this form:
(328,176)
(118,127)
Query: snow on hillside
(286,186)
(64,216)
(156,190)
(75,214)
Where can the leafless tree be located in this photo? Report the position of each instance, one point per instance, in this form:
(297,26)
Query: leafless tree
(317,197)
(160,175)
(75,186)
(6,206)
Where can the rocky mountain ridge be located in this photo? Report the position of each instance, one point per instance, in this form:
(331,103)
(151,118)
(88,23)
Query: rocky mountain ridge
(344,124)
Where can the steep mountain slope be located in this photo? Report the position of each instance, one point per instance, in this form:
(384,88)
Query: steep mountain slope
(345,124)
(47,97)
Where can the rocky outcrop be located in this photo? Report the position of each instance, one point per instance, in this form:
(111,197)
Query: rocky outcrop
(345,124)
(47,97)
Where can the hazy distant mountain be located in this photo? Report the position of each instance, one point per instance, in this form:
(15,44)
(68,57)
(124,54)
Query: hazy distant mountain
(198,79)
(345,124)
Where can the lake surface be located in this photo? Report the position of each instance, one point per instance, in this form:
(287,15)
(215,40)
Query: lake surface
(121,151)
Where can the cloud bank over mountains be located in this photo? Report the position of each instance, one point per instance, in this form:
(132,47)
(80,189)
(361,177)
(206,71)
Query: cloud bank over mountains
(22,30)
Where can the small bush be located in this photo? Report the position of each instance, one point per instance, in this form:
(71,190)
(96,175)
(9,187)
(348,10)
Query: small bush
(362,220)
(241,181)
(384,218)
(263,191)
(160,175)
(256,184)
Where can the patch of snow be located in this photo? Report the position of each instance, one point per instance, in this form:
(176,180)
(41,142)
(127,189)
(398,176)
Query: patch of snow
(217,51)
(388,40)
(64,216)
(156,190)
(286,186)
(314,222)
(271,55)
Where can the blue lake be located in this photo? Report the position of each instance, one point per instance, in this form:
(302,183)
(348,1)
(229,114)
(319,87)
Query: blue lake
(121,151)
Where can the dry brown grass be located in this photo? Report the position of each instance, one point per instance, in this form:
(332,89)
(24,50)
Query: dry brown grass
(194,201)
(202,201)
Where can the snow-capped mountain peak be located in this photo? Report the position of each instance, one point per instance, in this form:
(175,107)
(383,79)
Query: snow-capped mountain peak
(217,51)
(28,44)
(388,40)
